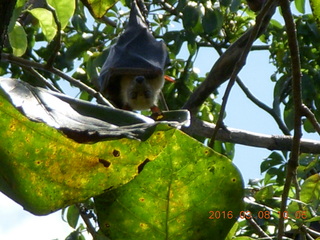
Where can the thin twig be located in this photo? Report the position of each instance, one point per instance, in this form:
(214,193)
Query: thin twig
(310,231)
(307,112)
(240,63)
(297,100)
(259,231)
(87,221)
(42,79)
(108,21)
(57,38)
(27,63)
(263,106)
(223,67)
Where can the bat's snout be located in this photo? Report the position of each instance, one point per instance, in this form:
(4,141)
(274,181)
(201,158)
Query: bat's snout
(140,79)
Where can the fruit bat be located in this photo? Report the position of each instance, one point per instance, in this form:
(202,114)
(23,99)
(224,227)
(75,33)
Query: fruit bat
(133,73)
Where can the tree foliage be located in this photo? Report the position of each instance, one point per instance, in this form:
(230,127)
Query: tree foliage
(187,197)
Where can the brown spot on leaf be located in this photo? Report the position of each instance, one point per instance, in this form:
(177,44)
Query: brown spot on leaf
(141,199)
(104,162)
(116,153)
(141,166)
(108,189)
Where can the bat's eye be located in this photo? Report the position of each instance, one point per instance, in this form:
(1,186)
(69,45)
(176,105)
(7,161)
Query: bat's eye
(140,79)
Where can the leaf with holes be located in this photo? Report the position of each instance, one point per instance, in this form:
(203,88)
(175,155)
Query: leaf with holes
(188,192)
(44,171)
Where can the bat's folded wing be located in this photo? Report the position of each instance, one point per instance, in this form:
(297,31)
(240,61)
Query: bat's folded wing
(136,52)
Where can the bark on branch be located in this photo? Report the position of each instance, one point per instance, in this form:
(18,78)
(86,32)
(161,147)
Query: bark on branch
(223,68)
(271,142)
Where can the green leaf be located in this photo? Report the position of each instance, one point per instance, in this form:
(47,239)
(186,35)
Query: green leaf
(46,22)
(274,159)
(289,117)
(315,6)
(73,216)
(314,219)
(64,10)
(225,3)
(235,5)
(212,21)
(264,193)
(99,7)
(310,191)
(18,40)
(44,171)
(173,195)
(232,231)
(300,5)
(54,171)
(16,13)
(191,16)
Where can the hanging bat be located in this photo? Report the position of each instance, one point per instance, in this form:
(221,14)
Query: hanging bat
(133,73)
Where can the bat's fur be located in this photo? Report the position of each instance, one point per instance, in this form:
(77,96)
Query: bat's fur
(140,92)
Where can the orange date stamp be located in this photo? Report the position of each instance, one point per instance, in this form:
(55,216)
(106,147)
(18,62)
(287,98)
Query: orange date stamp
(259,215)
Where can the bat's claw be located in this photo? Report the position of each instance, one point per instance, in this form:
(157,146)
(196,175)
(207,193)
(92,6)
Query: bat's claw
(157,114)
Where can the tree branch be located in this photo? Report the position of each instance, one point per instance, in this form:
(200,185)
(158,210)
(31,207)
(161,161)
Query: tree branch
(241,62)
(263,106)
(307,112)
(258,229)
(30,64)
(223,68)
(271,142)
(86,220)
(57,38)
(297,101)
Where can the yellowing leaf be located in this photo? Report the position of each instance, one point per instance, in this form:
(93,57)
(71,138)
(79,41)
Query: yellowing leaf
(64,10)
(46,22)
(188,192)
(310,191)
(99,7)
(44,171)
(18,40)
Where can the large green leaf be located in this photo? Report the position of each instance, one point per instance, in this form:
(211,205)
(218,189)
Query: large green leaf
(46,22)
(44,171)
(64,10)
(315,6)
(173,196)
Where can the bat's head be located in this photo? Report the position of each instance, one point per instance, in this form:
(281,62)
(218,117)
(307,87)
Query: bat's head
(141,92)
